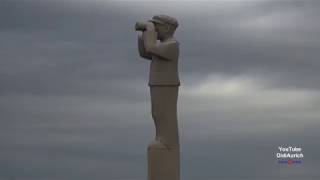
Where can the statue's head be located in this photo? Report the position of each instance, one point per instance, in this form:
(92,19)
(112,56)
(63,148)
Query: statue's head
(165,25)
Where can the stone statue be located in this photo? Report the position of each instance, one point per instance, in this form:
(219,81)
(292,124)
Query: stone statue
(156,43)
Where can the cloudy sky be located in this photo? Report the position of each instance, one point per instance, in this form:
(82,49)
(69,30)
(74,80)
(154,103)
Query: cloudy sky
(74,99)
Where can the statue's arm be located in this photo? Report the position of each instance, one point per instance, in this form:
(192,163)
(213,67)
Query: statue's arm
(142,50)
(164,50)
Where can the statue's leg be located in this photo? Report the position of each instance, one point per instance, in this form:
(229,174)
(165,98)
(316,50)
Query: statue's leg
(154,111)
(164,114)
(164,153)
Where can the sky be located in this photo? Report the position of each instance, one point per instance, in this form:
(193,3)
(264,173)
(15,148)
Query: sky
(75,104)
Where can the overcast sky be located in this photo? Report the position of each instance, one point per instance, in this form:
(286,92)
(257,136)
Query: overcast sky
(74,100)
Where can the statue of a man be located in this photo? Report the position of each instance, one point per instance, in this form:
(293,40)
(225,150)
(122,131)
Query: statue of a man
(158,45)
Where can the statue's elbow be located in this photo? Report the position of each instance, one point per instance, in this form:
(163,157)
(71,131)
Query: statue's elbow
(148,57)
(145,56)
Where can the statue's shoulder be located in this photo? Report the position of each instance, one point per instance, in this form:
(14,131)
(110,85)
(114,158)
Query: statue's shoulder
(173,41)
(168,50)
(171,44)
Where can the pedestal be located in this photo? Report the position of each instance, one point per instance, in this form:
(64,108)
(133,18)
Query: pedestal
(163,162)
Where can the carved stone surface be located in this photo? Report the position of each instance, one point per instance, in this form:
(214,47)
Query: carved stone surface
(156,43)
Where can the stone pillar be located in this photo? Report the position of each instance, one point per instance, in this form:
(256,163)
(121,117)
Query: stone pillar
(163,163)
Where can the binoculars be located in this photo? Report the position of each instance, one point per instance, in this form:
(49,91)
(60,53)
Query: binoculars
(143,26)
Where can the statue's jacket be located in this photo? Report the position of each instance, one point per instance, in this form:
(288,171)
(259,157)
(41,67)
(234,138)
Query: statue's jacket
(164,63)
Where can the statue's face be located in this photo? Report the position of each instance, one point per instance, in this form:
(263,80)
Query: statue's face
(162,30)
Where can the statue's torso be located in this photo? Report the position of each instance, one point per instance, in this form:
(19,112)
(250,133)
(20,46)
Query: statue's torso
(164,72)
